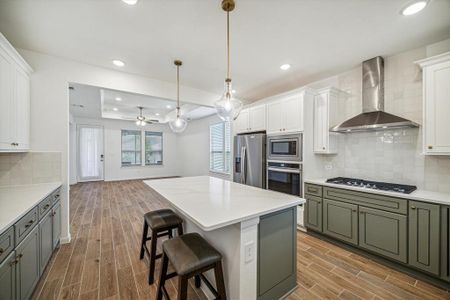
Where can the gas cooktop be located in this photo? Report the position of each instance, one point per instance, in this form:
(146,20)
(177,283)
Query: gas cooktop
(375,185)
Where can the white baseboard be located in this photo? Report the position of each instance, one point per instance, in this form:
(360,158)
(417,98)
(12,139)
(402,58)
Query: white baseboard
(65,240)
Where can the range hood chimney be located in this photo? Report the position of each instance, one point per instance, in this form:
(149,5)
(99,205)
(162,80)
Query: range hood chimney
(373,116)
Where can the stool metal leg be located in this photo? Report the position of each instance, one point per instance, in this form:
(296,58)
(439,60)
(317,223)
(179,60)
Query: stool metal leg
(220,284)
(182,287)
(144,238)
(162,277)
(151,273)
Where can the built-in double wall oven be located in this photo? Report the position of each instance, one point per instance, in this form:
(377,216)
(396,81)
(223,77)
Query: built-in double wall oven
(284,164)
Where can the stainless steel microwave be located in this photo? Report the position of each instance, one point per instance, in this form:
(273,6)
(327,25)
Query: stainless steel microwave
(285,147)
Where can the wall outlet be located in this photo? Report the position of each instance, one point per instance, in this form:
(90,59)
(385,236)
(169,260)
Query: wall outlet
(249,251)
(328,166)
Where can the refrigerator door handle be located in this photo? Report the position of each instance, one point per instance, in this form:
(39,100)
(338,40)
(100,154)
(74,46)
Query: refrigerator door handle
(243,165)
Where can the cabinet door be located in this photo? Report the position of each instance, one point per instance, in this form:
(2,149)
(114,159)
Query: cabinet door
(241,123)
(6,117)
(22,110)
(46,240)
(8,278)
(437,106)
(257,118)
(320,127)
(383,233)
(56,224)
(340,220)
(275,117)
(313,213)
(27,268)
(293,114)
(424,236)
(445,243)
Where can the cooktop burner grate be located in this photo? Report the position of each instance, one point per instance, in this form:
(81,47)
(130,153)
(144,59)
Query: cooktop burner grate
(376,185)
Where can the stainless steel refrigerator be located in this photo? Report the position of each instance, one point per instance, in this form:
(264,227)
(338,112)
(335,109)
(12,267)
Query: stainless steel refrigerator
(250,159)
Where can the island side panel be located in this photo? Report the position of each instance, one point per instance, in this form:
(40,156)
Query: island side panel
(277,259)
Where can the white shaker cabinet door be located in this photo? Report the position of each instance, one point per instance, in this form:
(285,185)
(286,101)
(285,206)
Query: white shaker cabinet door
(437,109)
(257,118)
(293,114)
(321,123)
(22,110)
(275,117)
(6,117)
(241,123)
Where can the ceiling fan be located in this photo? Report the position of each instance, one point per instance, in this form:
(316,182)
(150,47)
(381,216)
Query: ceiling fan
(142,121)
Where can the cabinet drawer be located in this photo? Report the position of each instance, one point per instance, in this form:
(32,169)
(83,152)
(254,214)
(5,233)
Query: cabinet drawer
(386,203)
(6,243)
(56,195)
(312,189)
(45,206)
(25,225)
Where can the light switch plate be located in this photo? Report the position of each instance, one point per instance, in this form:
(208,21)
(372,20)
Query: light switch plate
(249,251)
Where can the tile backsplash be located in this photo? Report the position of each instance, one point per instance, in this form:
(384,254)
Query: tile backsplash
(29,168)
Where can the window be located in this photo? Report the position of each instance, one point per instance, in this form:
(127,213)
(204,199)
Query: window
(220,147)
(131,148)
(153,148)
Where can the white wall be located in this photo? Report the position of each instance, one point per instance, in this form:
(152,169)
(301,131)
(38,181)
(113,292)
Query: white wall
(112,150)
(50,104)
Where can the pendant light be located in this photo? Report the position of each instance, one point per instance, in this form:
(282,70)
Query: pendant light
(179,124)
(228,107)
(140,119)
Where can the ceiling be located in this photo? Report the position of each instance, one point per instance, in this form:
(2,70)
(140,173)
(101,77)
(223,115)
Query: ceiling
(317,37)
(97,103)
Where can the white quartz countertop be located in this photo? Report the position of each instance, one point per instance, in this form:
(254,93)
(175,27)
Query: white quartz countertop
(419,195)
(212,203)
(16,201)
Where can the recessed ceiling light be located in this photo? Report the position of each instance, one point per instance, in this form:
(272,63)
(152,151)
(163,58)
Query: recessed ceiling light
(115,109)
(157,114)
(130,2)
(168,106)
(413,8)
(118,63)
(118,99)
(285,67)
(233,91)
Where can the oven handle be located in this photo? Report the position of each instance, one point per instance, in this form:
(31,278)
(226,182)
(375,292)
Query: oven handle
(284,170)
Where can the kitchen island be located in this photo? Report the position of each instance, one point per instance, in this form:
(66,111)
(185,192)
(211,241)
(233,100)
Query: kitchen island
(254,229)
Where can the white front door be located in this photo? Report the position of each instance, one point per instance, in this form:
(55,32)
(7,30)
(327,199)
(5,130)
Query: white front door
(90,153)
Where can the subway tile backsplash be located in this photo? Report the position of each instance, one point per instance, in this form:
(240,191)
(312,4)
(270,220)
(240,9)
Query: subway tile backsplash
(29,168)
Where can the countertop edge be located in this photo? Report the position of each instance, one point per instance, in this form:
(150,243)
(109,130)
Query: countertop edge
(417,195)
(36,202)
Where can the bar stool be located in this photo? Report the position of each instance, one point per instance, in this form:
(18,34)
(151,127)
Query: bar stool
(162,222)
(190,255)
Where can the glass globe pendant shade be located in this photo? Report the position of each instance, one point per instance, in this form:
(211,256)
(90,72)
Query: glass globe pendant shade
(228,107)
(178,125)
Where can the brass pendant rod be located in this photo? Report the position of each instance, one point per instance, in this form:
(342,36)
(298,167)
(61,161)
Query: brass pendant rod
(178,63)
(228,45)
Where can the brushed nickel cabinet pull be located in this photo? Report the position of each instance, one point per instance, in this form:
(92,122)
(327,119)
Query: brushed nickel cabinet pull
(2,250)
(413,207)
(430,147)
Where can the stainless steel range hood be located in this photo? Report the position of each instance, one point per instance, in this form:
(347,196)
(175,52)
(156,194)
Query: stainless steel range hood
(373,116)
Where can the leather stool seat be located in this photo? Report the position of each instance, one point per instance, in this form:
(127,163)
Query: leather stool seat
(162,218)
(190,252)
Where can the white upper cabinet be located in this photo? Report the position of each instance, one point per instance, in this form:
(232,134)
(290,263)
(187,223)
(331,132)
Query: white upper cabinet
(285,115)
(328,110)
(14,99)
(251,119)
(436,104)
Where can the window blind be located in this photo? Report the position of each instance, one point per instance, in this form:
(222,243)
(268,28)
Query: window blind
(220,147)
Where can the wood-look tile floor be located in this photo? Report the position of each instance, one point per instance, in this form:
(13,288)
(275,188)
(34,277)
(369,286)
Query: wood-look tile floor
(102,261)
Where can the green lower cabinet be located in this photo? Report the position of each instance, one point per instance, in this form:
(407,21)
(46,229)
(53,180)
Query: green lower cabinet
(313,213)
(277,254)
(445,243)
(56,224)
(384,233)
(27,267)
(46,240)
(424,236)
(340,220)
(8,278)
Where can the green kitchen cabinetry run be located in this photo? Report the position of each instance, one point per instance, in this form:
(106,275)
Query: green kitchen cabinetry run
(313,213)
(424,236)
(8,278)
(277,254)
(340,220)
(445,243)
(384,233)
(27,267)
